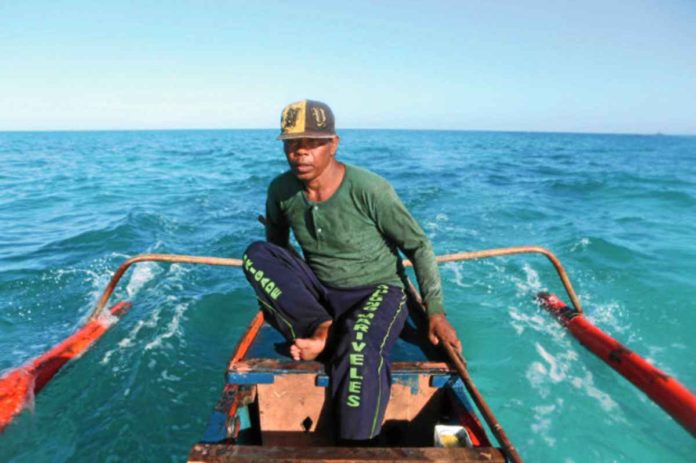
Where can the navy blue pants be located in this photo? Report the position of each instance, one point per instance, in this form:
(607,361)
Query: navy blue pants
(367,322)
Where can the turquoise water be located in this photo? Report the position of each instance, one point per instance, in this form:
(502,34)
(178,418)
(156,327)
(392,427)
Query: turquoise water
(617,210)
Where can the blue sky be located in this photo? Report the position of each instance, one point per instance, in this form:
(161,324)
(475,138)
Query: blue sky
(616,66)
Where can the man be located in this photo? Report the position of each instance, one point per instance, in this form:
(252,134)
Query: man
(349,290)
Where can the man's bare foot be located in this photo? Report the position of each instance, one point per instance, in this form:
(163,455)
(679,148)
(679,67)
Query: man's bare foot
(310,348)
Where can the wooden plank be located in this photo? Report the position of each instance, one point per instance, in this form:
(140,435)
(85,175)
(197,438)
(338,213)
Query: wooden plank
(292,411)
(215,453)
(295,412)
(291,366)
(413,409)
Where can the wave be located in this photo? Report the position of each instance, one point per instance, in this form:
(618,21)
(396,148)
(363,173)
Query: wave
(142,274)
(162,295)
(605,215)
(543,420)
(128,234)
(578,185)
(604,250)
(674,198)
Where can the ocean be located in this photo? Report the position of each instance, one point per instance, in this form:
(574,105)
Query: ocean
(618,211)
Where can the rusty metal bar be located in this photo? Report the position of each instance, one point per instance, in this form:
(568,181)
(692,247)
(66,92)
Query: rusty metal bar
(185,259)
(515,250)
(172,258)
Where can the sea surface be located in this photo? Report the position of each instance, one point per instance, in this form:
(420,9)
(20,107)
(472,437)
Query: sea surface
(619,211)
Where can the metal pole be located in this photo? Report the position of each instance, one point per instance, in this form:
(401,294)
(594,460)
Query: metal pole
(173,258)
(515,250)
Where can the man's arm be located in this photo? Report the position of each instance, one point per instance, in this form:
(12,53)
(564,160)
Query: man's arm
(440,328)
(397,223)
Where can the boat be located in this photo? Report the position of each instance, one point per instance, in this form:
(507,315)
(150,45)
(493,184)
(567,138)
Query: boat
(274,409)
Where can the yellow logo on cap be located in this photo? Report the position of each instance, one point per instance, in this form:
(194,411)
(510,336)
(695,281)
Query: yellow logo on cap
(319,116)
(293,120)
(290,118)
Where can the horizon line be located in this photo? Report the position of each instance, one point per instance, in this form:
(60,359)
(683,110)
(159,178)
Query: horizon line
(181,129)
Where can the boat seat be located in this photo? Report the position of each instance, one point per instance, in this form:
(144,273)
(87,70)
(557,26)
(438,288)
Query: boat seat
(269,355)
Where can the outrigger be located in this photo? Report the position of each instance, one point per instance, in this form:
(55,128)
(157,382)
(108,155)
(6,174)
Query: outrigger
(276,409)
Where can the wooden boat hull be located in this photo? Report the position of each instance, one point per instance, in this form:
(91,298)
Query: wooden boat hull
(275,409)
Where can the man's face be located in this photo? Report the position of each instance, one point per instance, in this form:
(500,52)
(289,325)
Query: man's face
(309,157)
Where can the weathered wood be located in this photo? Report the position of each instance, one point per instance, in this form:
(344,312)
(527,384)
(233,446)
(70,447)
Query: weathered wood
(247,339)
(291,366)
(212,453)
(293,411)
(413,408)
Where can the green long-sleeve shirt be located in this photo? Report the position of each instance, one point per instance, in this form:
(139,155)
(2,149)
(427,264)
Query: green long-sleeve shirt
(352,238)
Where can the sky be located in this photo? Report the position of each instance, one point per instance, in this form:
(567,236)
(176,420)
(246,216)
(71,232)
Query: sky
(590,66)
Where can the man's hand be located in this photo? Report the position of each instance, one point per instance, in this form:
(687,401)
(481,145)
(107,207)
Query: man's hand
(440,329)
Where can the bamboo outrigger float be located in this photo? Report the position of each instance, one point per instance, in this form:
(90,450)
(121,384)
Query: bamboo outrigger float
(265,393)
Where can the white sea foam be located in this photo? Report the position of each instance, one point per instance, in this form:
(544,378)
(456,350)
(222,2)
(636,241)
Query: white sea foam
(586,384)
(129,340)
(532,282)
(96,277)
(433,226)
(99,280)
(534,320)
(536,375)
(107,318)
(456,270)
(580,245)
(560,368)
(559,365)
(173,327)
(608,314)
(142,274)
(167,377)
(543,421)
(176,275)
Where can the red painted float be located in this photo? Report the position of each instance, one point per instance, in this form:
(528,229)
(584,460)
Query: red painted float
(664,390)
(18,386)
